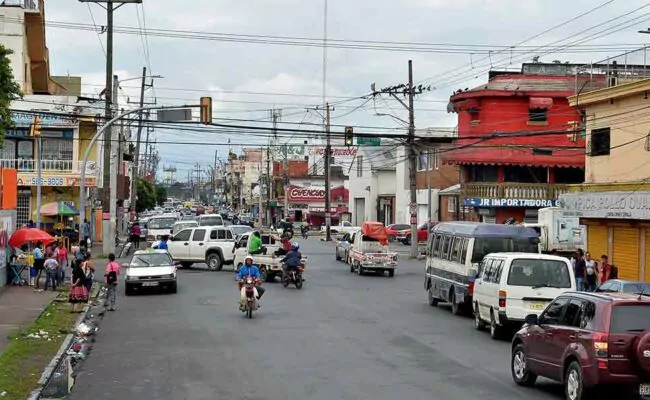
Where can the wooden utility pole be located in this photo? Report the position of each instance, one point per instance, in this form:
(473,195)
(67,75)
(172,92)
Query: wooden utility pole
(328,159)
(412,167)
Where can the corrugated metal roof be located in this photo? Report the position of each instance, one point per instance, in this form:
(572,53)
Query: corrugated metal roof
(380,158)
(529,83)
(514,156)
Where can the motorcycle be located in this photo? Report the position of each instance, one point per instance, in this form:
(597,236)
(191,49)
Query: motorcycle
(293,276)
(250,304)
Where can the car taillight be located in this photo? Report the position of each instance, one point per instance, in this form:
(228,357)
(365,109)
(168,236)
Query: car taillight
(470,288)
(502,298)
(600,345)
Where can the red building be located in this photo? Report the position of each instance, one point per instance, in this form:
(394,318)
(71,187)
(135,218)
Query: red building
(519,141)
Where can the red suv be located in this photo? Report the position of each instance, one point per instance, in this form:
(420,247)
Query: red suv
(423,234)
(586,340)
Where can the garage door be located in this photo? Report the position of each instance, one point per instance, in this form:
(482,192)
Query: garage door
(626,252)
(597,241)
(359,211)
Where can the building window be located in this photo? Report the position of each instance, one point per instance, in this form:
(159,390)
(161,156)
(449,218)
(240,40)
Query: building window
(600,142)
(58,150)
(23,208)
(452,202)
(537,115)
(359,166)
(423,162)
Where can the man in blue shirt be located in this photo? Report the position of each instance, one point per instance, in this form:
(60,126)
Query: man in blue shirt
(39,263)
(246,270)
(162,245)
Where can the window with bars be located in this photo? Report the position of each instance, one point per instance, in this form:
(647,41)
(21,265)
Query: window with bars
(56,149)
(22,209)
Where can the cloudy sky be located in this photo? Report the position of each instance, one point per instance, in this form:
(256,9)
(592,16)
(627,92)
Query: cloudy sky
(230,50)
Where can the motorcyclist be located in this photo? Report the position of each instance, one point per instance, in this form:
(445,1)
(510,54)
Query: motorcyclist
(286,246)
(293,258)
(246,270)
(255,244)
(287,228)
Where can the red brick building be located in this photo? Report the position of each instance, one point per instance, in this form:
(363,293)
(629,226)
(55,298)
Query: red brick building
(519,141)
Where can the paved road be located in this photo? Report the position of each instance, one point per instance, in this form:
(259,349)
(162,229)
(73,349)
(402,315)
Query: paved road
(341,337)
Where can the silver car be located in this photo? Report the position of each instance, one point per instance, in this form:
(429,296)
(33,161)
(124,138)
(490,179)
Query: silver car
(150,269)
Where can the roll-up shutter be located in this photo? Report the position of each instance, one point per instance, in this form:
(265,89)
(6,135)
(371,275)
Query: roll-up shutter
(597,241)
(647,255)
(626,252)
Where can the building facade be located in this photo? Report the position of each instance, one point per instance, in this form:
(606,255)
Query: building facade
(373,186)
(614,201)
(519,141)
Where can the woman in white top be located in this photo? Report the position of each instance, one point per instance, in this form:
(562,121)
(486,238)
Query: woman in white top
(591,272)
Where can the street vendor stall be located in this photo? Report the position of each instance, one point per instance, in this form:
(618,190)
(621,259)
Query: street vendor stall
(24,262)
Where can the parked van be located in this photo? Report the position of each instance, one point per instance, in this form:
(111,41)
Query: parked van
(510,286)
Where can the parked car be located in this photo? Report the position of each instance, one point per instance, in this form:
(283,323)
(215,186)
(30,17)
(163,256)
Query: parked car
(587,340)
(150,269)
(511,286)
(619,285)
(423,234)
(394,230)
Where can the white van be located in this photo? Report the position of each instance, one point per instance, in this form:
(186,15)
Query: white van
(510,286)
(210,220)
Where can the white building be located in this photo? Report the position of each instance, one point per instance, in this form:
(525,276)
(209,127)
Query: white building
(372,183)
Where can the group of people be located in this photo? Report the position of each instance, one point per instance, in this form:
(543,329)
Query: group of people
(589,273)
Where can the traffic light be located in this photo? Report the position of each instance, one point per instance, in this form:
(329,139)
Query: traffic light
(349,136)
(35,127)
(206,110)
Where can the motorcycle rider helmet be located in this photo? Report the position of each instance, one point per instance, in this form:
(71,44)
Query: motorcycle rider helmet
(249,257)
(295,246)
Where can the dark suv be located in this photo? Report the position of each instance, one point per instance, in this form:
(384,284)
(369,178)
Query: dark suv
(586,340)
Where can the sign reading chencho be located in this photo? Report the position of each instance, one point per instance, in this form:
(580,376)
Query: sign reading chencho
(614,205)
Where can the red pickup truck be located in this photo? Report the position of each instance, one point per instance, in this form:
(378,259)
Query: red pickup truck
(423,234)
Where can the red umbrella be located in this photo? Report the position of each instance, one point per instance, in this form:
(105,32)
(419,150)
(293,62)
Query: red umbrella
(29,235)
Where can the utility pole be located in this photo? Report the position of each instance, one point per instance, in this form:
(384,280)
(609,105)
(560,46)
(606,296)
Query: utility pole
(285,179)
(108,112)
(261,185)
(108,243)
(412,167)
(214,177)
(147,149)
(136,158)
(268,185)
(328,158)
(410,91)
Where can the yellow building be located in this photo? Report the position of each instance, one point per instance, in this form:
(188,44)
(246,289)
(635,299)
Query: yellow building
(614,201)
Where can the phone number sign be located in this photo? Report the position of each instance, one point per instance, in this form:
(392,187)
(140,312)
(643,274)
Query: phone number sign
(59,181)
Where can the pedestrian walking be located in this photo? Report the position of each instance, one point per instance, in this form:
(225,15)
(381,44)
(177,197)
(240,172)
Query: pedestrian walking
(89,272)
(39,263)
(78,292)
(112,272)
(51,273)
(63,264)
(579,269)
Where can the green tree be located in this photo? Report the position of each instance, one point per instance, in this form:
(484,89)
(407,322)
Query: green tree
(146,195)
(161,195)
(9,91)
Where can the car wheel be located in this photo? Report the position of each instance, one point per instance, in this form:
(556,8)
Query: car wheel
(573,388)
(263,274)
(336,255)
(496,330)
(174,288)
(407,241)
(214,262)
(479,325)
(455,307)
(519,367)
(186,264)
(433,301)
(359,269)
(351,268)
(391,273)
(391,238)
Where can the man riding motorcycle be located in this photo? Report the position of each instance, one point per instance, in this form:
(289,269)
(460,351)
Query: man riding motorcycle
(293,258)
(246,270)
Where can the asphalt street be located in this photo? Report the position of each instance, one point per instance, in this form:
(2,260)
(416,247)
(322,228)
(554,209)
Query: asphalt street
(342,337)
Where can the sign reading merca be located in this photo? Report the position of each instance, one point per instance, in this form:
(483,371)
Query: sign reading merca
(615,205)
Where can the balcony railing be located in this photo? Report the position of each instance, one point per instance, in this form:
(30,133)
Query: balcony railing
(60,166)
(510,190)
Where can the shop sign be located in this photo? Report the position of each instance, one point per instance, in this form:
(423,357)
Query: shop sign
(306,194)
(336,151)
(25,119)
(480,202)
(53,180)
(322,209)
(615,205)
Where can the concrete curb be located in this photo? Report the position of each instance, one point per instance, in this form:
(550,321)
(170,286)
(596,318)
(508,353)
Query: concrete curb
(63,349)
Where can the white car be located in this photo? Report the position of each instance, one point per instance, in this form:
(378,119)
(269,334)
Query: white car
(150,269)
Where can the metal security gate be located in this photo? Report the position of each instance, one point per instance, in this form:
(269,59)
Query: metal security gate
(597,243)
(24,207)
(626,252)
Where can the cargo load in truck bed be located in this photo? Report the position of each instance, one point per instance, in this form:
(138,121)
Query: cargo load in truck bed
(375,230)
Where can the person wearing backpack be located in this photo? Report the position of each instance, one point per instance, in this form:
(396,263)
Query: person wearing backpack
(112,272)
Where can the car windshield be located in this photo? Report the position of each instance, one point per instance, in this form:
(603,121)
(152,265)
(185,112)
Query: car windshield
(238,230)
(539,273)
(485,246)
(630,318)
(150,260)
(637,287)
(162,223)
(211,221)
(399,227)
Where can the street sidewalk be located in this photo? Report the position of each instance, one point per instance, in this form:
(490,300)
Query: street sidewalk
(20,306)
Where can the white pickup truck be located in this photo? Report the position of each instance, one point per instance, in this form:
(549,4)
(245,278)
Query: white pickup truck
(367,254)
(212,245)
(341,229)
